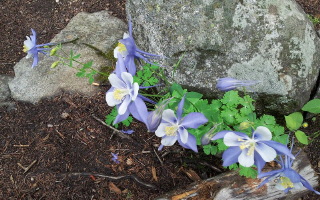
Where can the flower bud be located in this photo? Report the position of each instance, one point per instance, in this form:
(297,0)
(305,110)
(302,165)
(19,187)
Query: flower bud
(55,64)
(305,125)
(206,138)
(245,125)
(54,51)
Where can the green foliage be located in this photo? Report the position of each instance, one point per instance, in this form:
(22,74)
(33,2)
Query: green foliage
(147,76)
(83,72)
(312,106)
(314,20)
(301,137)
(248,172)
(294,121)
(112,116)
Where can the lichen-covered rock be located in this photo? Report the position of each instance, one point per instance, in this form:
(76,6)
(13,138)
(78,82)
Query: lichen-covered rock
(100,30)
(270,41)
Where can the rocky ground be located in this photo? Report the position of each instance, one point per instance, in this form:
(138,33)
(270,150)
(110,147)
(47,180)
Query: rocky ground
(58,149)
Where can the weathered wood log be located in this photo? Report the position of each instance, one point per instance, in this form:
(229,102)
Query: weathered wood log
(231,186)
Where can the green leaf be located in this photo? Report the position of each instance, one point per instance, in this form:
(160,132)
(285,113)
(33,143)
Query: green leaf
(231,98)
(81,74)
(214,150)
(233,166)
(127,122)
(87,65)
(248,172)
(301,136)
(193,97)
(312,106)
(207,149)
(76,56)
(294,121)
(283,139)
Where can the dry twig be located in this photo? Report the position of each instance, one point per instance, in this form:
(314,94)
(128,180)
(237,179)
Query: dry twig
(119,133)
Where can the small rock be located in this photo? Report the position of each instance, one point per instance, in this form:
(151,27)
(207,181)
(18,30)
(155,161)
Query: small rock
(65,115)
(49,125)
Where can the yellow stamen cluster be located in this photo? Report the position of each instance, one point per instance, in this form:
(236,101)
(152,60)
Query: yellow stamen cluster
(286,182)
(25,48)
(121,47)
(250,144)
(118,94)
(171,130)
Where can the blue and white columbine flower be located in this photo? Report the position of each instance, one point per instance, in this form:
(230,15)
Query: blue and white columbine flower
(286,177)
(32,49)
(124,95)
(226,84)
(249,151)
(173,128)
(129,51)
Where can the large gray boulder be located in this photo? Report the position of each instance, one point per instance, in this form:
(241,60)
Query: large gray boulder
(99,29)
(270,41)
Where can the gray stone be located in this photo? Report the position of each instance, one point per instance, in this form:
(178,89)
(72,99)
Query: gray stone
(4,88)
(270,41)
(97,29)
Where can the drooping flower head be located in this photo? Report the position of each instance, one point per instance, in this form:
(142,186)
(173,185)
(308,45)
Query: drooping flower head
(124,95)
(155,116)
(248,151)
(32,49)
(226,84)
(286,177)
(129,51)
(173,128)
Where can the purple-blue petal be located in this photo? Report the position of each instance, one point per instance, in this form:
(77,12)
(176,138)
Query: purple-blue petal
(139,110)
(120,118)
(271,173)
(306,184)
(230,156)
(292,175)
(180,108)
(193,120)
(221,134)
(191,143)
(120,66)
(280,148)
(258,161)
(131,66)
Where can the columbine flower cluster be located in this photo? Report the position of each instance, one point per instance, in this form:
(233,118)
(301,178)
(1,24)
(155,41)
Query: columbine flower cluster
(172,126)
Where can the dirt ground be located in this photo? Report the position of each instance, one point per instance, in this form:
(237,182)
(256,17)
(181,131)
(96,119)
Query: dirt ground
(58,149)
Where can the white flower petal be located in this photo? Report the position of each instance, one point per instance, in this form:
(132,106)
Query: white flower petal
(246,160)
(115,52)
(125,35)
(127,78)
(160,132)
(116,82)
(111,101)
(262,134)
(135,91)
(169,140)
(231,139)
(267,153)
(183,135)
(169,116)
(124,106)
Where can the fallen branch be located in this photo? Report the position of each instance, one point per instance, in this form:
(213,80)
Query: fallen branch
(114,178)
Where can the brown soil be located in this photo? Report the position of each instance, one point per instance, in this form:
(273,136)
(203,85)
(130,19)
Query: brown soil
(67,149)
